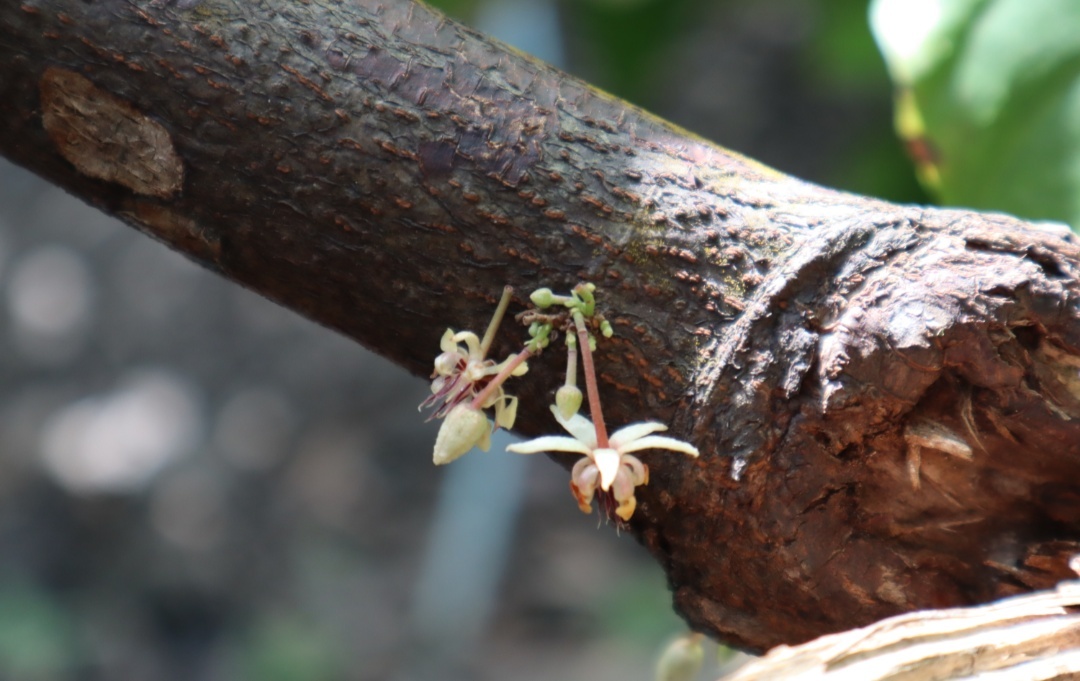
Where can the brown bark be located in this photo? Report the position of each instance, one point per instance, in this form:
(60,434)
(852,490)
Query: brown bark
(886,397)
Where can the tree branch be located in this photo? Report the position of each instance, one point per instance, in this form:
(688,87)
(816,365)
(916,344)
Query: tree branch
(886,397)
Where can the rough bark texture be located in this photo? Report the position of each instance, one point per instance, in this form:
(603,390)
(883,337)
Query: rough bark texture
(887,397)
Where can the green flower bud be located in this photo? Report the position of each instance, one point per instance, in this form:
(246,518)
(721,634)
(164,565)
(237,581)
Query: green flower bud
(568,400)
(606,330)
(542,297)
(681,660)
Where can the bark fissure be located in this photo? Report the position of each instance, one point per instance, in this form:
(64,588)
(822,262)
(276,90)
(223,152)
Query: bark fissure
(386,172)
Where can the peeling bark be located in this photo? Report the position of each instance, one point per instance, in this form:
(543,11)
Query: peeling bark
(1033,637)
(887,398)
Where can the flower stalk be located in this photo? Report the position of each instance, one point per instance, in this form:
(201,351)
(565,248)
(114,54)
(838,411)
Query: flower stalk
(508,368)
(595,410)
(496,320)
(568,397)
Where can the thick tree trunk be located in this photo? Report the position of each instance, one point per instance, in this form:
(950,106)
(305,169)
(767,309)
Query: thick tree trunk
(887,398)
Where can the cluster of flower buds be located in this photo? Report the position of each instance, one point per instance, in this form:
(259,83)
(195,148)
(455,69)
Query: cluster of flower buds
(466,383)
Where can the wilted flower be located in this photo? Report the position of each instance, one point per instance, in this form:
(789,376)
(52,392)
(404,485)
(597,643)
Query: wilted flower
(612,469)
(461,373)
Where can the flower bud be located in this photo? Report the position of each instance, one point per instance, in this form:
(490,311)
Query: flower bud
(462,429)
(568,400)
(681,660)
(542,297)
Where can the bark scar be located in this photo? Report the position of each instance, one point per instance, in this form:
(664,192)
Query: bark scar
(106,137)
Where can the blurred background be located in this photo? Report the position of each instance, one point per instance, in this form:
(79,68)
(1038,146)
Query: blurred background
(199,485)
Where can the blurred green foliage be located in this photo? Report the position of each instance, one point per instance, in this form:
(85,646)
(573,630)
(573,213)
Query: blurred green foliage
(36,634)
(843,59)
(990,100)
(286,648)
(624,38)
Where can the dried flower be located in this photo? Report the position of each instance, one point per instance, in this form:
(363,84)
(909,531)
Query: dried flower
(612,469)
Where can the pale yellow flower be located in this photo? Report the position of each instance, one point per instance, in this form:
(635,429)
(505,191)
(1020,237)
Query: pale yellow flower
(611,469)
(462,371)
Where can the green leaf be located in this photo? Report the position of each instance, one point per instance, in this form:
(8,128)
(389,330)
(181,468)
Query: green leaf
(988,99)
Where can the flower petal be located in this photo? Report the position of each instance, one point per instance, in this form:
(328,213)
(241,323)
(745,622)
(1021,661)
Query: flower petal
(580,427)
(549,443)
(607,462)
(584,475)
(447,343)
(519,370)
(660,442)
(626,507)
(623,486)
(628,434)
(446,364)
(623,491)
(506,411)
(638,472)
(472,341)
(583,480)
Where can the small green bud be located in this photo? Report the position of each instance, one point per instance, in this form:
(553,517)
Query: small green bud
(606,330)
(592,342)
(681,660)
(568,400)
(539,341)
(542,297)
(540,333)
